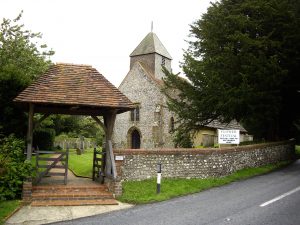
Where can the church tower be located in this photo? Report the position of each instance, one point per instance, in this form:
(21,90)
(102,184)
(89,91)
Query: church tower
(153,54)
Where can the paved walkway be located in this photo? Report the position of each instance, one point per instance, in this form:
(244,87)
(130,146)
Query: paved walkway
(28,215)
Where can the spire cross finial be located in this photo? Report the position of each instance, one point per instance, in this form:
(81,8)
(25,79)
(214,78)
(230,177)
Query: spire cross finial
(151,26)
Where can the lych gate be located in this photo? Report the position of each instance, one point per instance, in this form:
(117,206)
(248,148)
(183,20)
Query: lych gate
(75,90)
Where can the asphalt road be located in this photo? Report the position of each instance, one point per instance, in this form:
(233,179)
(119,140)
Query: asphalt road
(268,199)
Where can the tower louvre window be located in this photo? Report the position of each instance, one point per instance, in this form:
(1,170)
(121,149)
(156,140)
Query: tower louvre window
(163,61)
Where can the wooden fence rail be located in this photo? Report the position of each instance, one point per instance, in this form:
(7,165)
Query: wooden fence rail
(55,160)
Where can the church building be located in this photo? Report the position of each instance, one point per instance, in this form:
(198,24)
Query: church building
(150,124)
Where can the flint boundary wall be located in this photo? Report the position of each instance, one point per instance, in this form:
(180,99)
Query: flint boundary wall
(140,164)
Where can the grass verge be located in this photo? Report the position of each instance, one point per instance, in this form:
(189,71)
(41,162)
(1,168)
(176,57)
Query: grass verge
(7,208)
(139,192)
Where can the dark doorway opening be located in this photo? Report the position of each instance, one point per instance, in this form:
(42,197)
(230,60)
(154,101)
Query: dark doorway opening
(135,140)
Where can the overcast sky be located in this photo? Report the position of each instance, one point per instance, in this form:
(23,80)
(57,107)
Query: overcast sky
(104,33)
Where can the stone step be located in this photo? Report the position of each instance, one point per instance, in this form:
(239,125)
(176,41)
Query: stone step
(68,195)
(72,194)
(54,191)
(74,202)
(60,188)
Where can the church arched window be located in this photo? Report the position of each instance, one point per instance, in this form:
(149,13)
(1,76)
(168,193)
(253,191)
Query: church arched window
(172,125)
(135,114)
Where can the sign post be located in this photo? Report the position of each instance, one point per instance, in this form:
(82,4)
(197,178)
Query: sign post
(228,136)
(158,178)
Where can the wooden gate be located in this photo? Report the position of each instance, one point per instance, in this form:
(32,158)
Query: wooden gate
(99,165)
(52,160)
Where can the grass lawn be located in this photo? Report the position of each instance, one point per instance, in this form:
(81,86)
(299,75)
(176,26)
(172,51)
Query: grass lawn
(81,165)
(33,162)
(33,159)
(6,208)
(138,192)
(297,149)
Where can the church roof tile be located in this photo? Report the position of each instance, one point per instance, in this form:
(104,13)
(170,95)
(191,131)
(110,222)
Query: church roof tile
(73,84)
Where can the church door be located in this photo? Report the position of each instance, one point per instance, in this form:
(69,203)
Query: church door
(135,140)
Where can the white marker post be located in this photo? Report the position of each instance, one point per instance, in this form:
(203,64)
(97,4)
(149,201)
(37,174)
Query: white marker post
(158,178)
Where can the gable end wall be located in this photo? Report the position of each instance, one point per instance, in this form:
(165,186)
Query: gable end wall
(140,88)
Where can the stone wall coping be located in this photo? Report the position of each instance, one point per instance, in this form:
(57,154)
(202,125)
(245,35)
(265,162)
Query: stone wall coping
(204,151)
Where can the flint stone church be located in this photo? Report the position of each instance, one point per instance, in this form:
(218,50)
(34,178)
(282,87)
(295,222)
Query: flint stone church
(151,125)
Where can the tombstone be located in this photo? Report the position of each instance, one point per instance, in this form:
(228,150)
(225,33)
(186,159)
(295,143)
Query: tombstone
(81,144)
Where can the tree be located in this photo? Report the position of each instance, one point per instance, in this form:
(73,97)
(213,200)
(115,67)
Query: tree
(74,126)
(65,126)
(241,64)
(22,59)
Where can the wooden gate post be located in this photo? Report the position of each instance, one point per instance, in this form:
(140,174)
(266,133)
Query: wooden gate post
(30,131)
(109,121)
(66,165)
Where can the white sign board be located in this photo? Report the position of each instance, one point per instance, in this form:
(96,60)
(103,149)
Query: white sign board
(119,157)
(228,136)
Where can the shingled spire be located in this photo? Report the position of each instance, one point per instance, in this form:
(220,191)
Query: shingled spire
(153,54)
(151,44)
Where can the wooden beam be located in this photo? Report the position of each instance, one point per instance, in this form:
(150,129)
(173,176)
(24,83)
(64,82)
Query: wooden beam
(73,110)
(38,123)
(109,121)
(30,131)
(112,159)
(100,123)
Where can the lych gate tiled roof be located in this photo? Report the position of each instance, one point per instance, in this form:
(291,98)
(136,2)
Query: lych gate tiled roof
(74,85)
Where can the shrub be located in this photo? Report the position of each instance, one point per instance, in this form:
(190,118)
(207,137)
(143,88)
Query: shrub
(182,139)
(99,138)
(43,138)
(13,167)
(252,142)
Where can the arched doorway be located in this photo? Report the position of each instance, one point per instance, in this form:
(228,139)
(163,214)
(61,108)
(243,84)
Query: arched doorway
(135,140)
